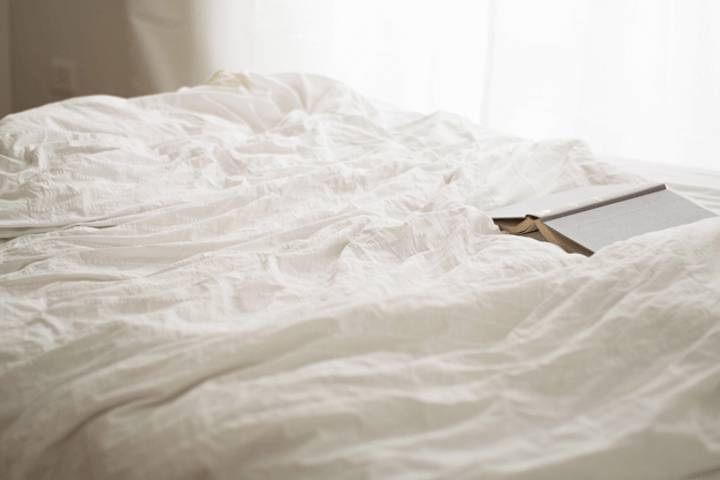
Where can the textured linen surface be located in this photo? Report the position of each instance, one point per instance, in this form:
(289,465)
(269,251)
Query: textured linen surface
(273,277)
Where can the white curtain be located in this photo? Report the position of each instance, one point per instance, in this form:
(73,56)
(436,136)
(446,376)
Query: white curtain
(635,78)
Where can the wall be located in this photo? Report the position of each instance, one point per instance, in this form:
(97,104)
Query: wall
(5,75)
(118,47)
(89,35)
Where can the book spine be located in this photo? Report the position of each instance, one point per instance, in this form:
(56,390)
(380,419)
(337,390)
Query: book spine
(622,198)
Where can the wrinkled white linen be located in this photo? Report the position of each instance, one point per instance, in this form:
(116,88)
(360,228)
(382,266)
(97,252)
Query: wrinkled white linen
(271,277)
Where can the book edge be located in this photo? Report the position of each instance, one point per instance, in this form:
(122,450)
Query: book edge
(645,191)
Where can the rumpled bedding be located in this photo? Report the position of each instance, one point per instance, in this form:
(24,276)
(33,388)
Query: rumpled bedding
(274,277)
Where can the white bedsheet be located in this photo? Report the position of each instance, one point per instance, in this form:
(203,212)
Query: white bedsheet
(271,277)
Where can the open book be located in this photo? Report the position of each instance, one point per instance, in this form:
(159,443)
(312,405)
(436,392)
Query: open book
(586,219)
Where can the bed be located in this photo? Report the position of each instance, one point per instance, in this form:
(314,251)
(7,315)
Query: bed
(274,277)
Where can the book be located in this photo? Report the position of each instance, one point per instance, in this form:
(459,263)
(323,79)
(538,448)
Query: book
(585,219)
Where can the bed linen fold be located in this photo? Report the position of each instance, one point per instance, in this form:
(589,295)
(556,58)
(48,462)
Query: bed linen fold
(273,277)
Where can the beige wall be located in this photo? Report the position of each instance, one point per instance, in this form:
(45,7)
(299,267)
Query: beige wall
(5,75)
(89,34)
(119,47)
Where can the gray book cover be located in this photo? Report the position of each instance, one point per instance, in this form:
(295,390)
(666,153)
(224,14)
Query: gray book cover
(588,218)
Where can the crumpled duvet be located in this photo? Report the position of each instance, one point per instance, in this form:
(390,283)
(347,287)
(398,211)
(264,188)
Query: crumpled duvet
(273,277)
